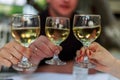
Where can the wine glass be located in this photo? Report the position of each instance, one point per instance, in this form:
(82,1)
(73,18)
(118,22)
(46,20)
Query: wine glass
(57,30)
(25,28)
(87,28)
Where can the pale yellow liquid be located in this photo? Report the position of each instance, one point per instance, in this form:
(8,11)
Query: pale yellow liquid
(87,34)
(25,35)
(56,35)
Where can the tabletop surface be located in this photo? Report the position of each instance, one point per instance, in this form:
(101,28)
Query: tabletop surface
(59,76)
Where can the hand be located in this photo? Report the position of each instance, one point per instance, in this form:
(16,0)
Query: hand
(12,53)
(43,48)
(98,55)
(80,55)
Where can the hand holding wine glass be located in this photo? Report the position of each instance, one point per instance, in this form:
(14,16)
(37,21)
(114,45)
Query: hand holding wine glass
(86,29)
(25,28)
(57,30)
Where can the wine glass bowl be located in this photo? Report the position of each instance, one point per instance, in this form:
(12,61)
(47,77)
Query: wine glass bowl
(25,28)
(57,30)
(87,28)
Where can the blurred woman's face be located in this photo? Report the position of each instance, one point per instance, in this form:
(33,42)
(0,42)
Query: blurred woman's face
(62,7)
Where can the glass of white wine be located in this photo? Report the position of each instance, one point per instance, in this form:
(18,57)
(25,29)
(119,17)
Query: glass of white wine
(25,28)
(57,30)
(87,28)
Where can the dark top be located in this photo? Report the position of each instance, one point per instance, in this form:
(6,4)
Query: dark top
(70,45)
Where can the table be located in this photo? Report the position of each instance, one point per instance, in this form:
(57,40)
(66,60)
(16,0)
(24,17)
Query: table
(59,76)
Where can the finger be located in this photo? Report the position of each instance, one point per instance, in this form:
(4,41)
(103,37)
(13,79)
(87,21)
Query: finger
(23,50)
(60,48)
(5,62)
(89,53)
(44,45)
(56,49)
(51,46)
(27,52)
(41,50)
(40,53)
(77,53)
(45,49)
(92,55)
(15,53)
(19,48)
(93,46)
(6,55)
(79,59)
(82,51)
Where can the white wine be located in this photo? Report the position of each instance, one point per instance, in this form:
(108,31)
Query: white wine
(57,35)
(25,35)
(86,33)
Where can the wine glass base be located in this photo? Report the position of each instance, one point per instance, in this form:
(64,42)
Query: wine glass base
(55,62)
(86,65)
(29,67)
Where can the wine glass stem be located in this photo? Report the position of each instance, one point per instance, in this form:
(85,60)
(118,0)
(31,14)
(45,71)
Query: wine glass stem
(86,45)
(55,57)
(24,60)
(86,59)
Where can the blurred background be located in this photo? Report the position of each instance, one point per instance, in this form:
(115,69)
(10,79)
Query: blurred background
(9,7)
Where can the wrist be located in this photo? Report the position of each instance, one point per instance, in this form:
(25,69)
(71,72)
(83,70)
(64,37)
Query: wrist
(115,69)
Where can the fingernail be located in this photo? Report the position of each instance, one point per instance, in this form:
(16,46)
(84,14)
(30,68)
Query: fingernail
(80,59)
(81,53)
(90,53)
(60,47)
(57,52)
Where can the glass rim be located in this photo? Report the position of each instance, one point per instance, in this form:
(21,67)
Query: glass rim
(88,15)
(57,17)
(25,15)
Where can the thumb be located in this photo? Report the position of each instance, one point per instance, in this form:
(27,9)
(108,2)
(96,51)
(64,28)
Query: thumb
(94,46)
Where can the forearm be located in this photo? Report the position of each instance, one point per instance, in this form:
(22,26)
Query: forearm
(115,69)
